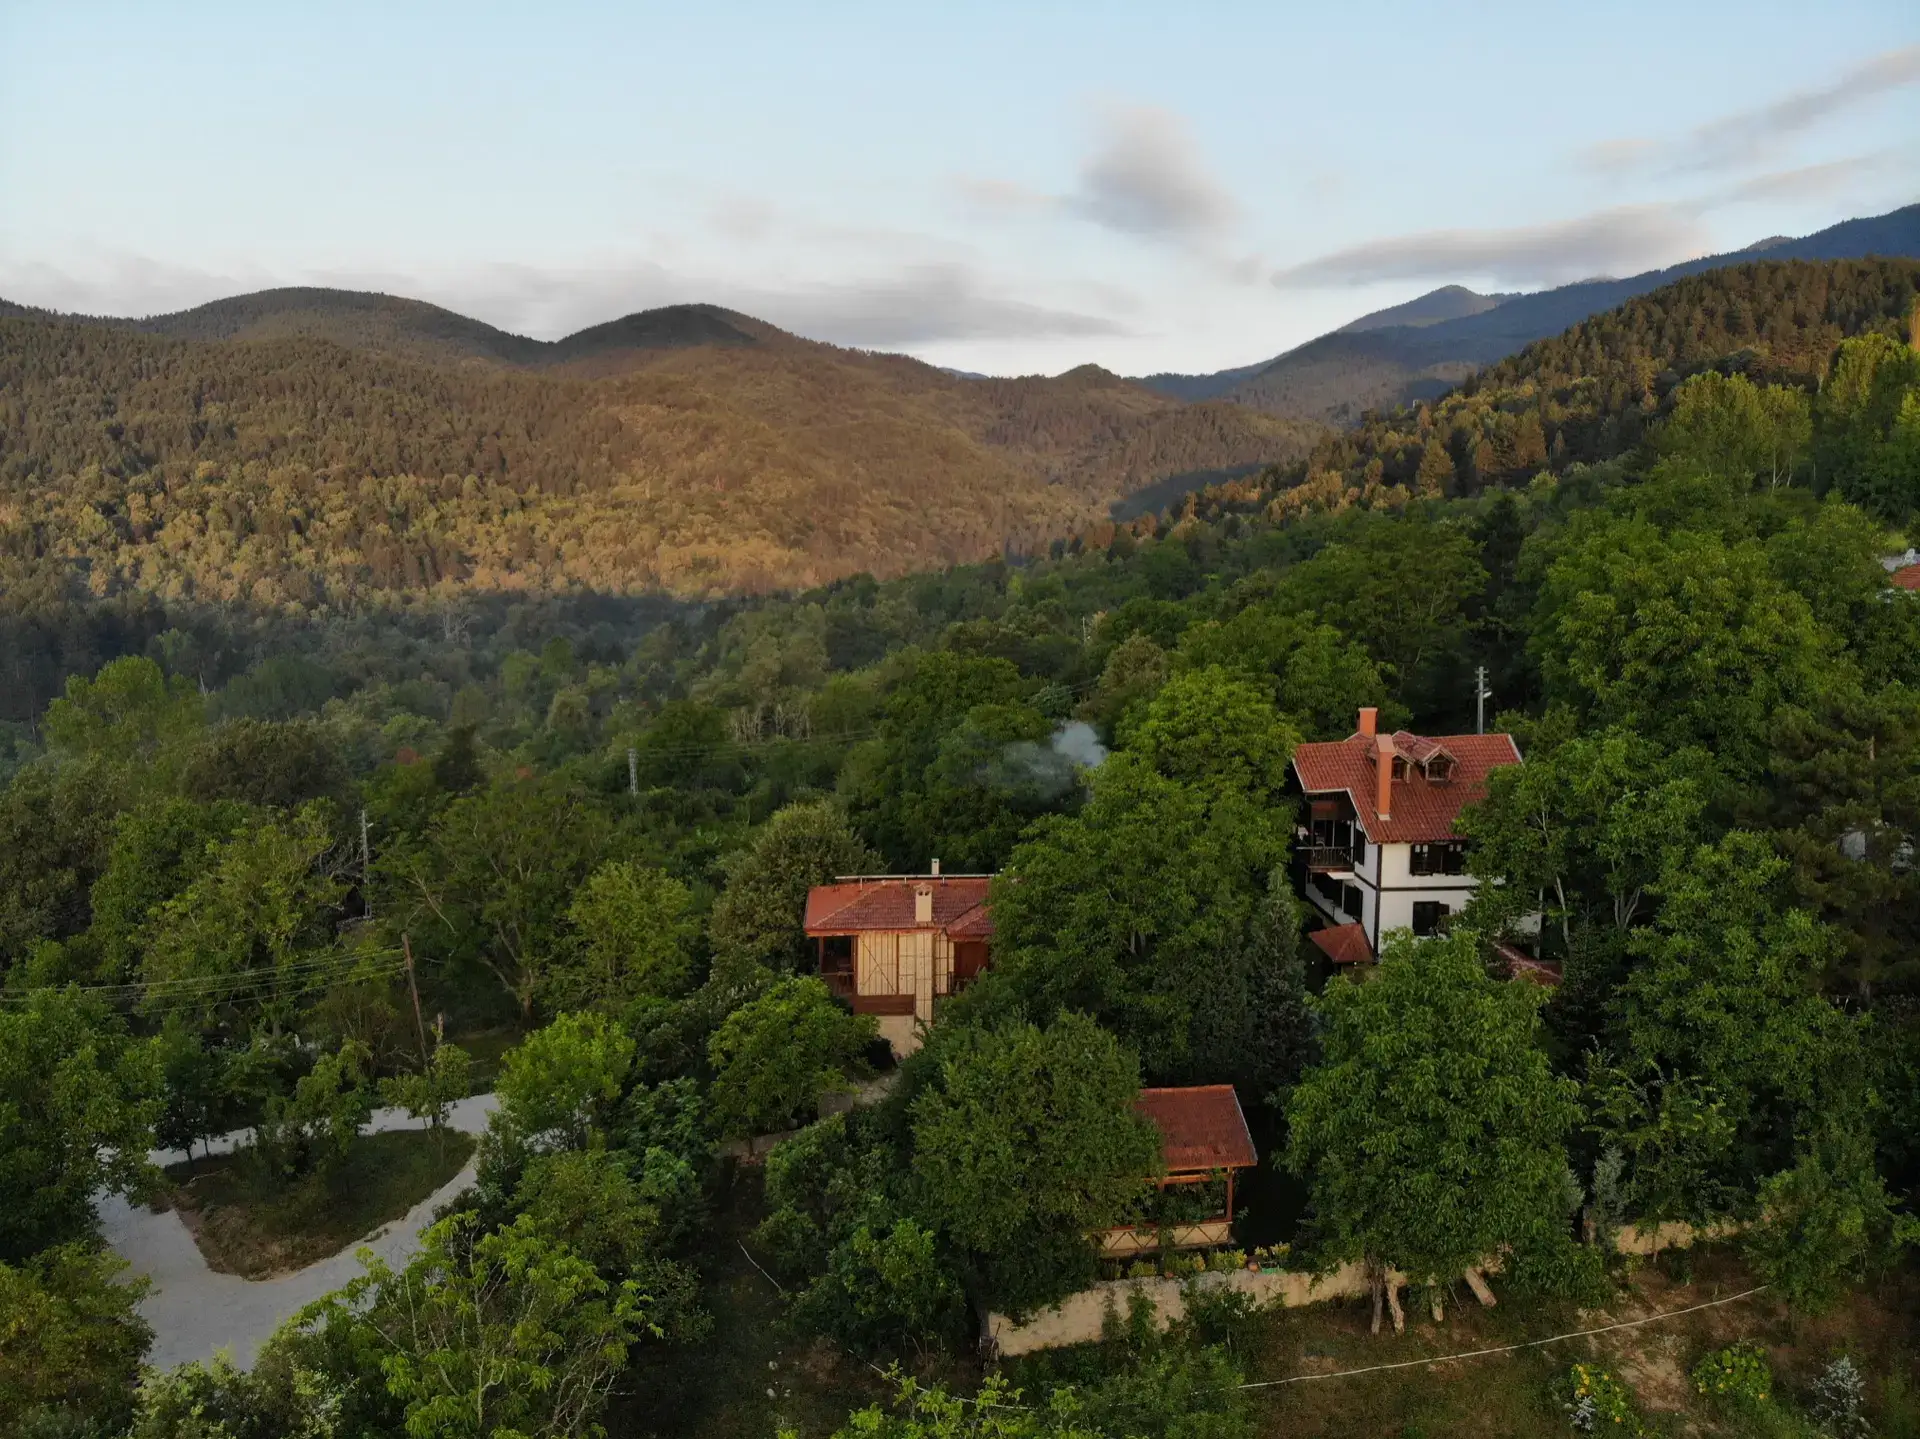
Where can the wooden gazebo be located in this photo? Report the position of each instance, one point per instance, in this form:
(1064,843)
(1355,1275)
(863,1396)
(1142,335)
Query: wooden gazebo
(1203,1135)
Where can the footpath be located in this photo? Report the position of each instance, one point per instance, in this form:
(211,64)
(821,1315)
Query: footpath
(196,1313)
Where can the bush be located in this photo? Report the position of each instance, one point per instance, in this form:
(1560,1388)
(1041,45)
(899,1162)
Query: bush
(775,1056)
(1598,1403)
(1738,1375)
(1840,1401)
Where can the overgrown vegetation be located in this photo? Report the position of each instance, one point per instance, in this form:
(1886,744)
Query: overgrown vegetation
(215,905)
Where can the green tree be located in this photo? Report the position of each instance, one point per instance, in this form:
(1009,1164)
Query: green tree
(201,1093)
(71,1343)
(1025,1141)
(1725,992)
(78,1099)
(1828,1219)
(560,1086)
(775,1056)
(633,932)
(131,716)
(247,936)
(430,1092)
(1589,824)
(757,921)
(1728,427)
(1209,729)
(158,850)
(1319,678)
(502,1335)
(1682,638)
(1401,588)
(267,763)
(310,1132)
(492,882)
(1126,910)
(1433,1132)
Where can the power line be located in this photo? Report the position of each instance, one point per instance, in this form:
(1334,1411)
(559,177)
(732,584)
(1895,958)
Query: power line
(1508,1348)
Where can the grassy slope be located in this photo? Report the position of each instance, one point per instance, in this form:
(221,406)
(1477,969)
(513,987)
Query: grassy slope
(257,1229)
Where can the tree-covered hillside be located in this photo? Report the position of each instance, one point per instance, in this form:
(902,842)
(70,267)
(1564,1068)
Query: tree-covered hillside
(293,472)
(1590,394)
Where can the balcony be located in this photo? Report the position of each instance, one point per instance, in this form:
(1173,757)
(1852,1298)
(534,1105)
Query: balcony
(1328,858)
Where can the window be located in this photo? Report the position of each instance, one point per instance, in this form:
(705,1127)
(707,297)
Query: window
(1446,857)
(1429,916)
(1350,899)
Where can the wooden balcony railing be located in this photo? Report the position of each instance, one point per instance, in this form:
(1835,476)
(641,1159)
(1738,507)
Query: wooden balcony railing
(1327,858)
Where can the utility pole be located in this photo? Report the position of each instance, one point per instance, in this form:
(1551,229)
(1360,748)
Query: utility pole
(413,988)
(1481,694)
(366,859)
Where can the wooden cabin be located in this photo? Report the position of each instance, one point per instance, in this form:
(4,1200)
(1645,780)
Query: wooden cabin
(891,945)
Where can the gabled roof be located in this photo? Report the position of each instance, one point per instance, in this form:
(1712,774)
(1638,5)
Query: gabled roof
(1521,965)
(886,902)
(1906,578)
(1422,811)
(1201,1128)
(1344,943)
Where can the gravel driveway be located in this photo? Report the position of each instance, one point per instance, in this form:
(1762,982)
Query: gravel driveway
(196,1313)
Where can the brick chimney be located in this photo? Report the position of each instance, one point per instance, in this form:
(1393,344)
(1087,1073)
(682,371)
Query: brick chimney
(923,904)
(1383,753)
(936,869)
(1369,720)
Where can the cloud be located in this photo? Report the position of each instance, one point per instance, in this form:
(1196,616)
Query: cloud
(1747,137)
(1147,177)
(1622,240)
(1808,182)
(908,305)
(920,305)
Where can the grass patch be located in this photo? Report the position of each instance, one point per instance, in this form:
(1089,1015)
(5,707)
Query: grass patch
(250,1224)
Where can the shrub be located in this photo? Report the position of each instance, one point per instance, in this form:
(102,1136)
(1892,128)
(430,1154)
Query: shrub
(1840,1401)
(1738,1374)
(1598,1403)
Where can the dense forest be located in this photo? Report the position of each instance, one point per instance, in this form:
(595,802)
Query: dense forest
(1590,394)
(293,472)
(218,884)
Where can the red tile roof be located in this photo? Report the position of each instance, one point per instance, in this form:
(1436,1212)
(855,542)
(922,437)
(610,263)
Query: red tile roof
(1344,943)
(1422,812)
(1907,578)
(1201,1128)
(886,903)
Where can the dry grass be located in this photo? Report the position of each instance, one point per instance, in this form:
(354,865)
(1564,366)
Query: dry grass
(253,1226)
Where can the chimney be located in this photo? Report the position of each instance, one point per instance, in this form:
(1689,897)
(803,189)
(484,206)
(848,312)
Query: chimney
(936,869)
(923,904)
(1383,775)
(1369,720)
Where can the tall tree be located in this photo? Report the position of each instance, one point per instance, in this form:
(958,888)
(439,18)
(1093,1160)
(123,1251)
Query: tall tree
(1025,1140)
(1433,1132)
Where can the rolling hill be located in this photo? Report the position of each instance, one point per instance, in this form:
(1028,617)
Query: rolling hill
(1418,350)
(320,448)
(1589,393)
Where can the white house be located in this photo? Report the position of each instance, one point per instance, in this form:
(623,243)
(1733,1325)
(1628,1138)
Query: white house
(1376,846)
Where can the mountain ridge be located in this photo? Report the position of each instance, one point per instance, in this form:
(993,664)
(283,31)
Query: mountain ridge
(1335,378)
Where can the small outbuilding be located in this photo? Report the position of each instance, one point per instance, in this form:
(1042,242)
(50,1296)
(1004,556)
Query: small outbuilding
(1204,1142)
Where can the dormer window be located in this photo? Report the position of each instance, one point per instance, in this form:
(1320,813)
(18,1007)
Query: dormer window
(1439,767)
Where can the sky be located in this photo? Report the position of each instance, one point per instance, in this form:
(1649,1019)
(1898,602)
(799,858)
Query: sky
(1011,188)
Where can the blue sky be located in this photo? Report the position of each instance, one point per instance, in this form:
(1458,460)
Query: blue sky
(1004,187)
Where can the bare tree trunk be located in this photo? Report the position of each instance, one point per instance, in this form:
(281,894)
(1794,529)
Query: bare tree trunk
(1435,1305)
(1377,1286)
(1477,1282)
(1393,1305)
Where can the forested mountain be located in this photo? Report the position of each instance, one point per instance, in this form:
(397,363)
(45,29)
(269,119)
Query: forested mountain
(230,894)
(1365,366)
(1589,395)
(323,451)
